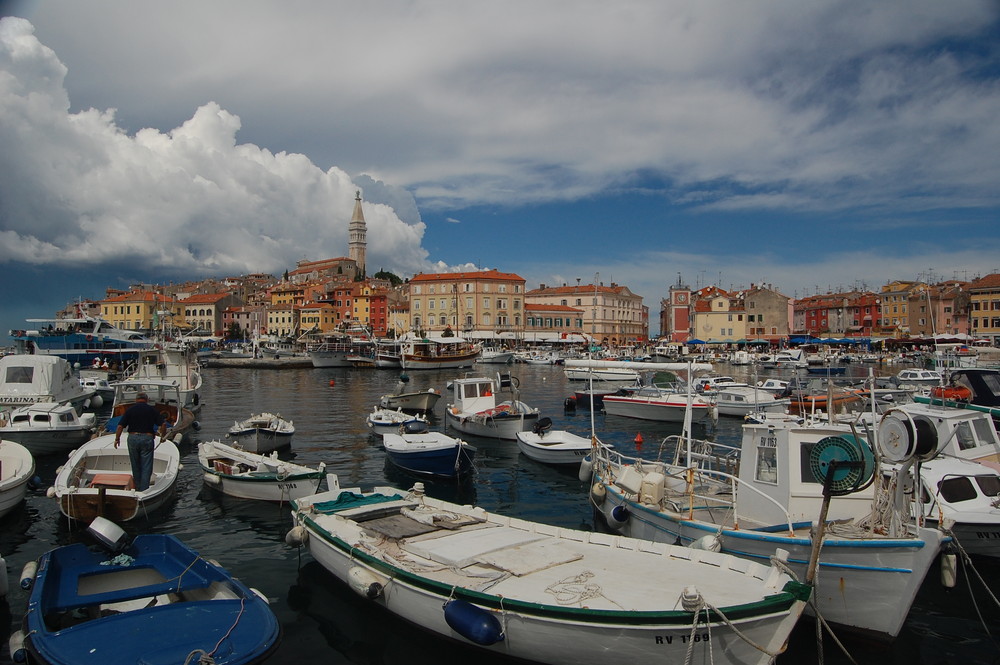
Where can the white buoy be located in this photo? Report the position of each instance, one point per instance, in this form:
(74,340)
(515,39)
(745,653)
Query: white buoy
(710,543)
(586,468)
(212,479)
(598,492)
(4,582)
(365,583)
(16,646)
(297,536)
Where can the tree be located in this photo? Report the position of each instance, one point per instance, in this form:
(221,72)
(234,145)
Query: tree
(235,332)
(447,332)
(395,280)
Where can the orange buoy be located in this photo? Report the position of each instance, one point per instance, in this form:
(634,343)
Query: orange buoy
(332,383)
(638,439)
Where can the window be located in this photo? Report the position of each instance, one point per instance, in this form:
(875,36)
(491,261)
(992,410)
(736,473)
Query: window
(954,490)
(767,460)
(20,375)
(486,303)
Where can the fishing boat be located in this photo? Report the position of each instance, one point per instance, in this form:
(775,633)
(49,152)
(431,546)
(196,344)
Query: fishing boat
(429,453)
(548,446)
(171,364)
(247,475)
(17,468)
(546,594)
(154,600)
(381,421)
(47,428)
(96,480)
(475,409)
(30,379)
(412,401)
(769,494)
(262,433)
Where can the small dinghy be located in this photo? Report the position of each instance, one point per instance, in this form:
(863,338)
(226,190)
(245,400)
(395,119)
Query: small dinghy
(543,444)
(262,433)
(154,600)
(252,476)
(97,480)
(382,420)
(17,468)
(429,453)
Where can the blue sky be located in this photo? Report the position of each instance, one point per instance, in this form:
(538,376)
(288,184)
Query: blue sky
(812,146)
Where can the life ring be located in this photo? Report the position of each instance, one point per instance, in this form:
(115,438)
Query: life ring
(956,393)
(90,338)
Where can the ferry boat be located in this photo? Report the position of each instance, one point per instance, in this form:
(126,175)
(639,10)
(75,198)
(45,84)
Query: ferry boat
(80,340)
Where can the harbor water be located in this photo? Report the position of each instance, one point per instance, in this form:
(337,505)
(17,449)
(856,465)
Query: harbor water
(324,622)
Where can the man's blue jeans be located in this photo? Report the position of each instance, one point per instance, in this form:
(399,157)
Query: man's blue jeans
(140,454)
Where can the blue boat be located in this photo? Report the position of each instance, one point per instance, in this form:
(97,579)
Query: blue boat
(81,340)
(155,601)
(429,453)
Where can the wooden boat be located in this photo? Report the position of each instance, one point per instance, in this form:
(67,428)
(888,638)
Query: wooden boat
(549,446)
(382,420)
(475,409)
(46,428)
(438,353)
(420,401)
(17,468)
(97,480)
(765,496)
(429,453)
(166,396)
(262,433)
(546,594)
(248,475)
(156,601)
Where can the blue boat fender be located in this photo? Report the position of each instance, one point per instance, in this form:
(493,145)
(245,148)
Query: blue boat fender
(618,517)
(28,575)
(473,623)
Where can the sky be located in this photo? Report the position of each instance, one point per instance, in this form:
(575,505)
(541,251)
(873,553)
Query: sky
(814,147)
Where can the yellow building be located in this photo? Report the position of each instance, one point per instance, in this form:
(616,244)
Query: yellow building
(140,310)
(487,300)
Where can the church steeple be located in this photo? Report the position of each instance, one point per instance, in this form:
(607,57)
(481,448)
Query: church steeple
(356,234)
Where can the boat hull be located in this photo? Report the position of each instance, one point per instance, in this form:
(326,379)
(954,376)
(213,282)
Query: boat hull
(430,454)
(421,402)
(630,406)
(414,362)
(496,426)
(553,447)
(260,441)
(17,467)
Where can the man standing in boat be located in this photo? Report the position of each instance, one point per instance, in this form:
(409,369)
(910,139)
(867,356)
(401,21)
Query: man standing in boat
(143,422)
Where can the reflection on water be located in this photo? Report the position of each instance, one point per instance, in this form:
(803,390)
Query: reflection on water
(323,621)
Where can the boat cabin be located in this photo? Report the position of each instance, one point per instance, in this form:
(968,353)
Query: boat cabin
(474,394)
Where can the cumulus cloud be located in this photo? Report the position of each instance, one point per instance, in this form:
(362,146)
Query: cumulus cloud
(192,200)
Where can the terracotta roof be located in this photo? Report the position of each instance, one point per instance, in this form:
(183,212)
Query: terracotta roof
(550,308)
(204,298)
(987,282)
(140,295)
(454,276)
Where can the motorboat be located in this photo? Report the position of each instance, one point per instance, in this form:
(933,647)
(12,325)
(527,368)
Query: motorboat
(412,401)
(46,428)
(247,475)
(976,389)
(786,359)
(535,592)
(475,408)
(663,403)
(262,433)
(739,401)
(549,446)
(603,374)
(918,377)
(151,600)
(17,468)
(492,355)
(26,379)
(96,480)
(382,420)
(429,453)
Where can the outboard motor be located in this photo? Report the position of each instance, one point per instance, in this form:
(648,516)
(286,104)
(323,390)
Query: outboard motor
(542,426)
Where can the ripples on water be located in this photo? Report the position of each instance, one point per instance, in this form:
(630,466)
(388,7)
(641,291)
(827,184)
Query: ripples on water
(326,623)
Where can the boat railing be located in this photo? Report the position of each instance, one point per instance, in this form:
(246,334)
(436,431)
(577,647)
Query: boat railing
(692,476)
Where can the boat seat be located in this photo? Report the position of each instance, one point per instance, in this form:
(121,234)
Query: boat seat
(113,481)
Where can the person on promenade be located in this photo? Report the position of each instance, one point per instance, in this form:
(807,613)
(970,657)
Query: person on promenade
(143,422)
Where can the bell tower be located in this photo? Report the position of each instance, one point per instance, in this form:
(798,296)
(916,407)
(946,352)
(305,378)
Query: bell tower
(356,234)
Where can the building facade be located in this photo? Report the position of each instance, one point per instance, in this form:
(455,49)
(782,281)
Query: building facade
(483,301)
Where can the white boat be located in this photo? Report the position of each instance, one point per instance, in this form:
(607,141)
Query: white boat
(341,351)
(777,386)
(97,480)
(766,496)
(28,379)
(550,446)
(98,380)
(546,594)
(492,355)
(262,433)
(17,468)
(248,475)
(916,377)
(658,403)
(170,365)
(381,420)
(476,410)
(787,359)
(419,401)
(45,428)
(739,401)
(79,340)
(438,353)
(615,374)
(429,453)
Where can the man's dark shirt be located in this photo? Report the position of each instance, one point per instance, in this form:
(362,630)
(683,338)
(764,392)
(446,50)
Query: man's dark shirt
(141,418)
